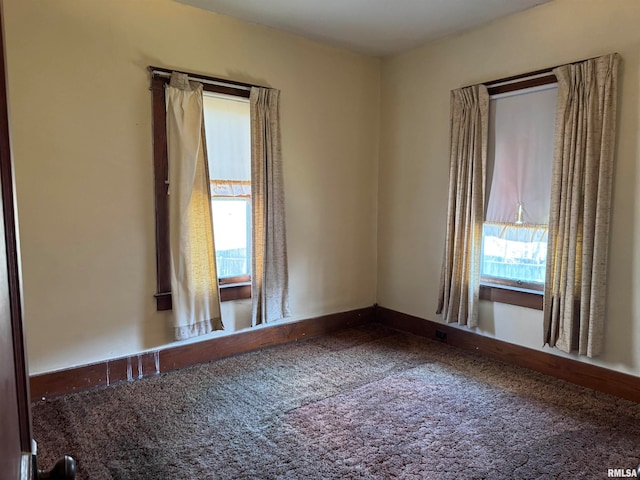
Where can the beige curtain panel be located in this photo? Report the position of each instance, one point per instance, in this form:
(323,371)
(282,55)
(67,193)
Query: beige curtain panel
(460,279)
(194,281)
(575,288)
(269,281)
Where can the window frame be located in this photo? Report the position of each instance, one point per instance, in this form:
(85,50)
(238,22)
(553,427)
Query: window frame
(501,290)
(231,288)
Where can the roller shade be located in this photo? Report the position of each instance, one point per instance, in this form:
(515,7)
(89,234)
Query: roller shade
(520,156)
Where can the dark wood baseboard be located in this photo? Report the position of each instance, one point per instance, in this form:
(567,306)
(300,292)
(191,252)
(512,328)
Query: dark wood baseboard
(584,374)
(155,362)
(152,363)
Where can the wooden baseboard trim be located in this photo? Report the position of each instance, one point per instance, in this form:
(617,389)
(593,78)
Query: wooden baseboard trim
(152,363)
(584,374)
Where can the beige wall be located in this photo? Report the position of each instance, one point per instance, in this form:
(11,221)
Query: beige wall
(81,126)
(414,159)
(81,129)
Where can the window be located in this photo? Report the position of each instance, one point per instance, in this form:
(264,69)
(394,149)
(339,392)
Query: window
(228,134)
(519,167)
(227,124)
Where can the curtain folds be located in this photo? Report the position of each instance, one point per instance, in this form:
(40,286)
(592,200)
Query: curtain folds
(269,280)
(194,281)
(575,288)
(460,278)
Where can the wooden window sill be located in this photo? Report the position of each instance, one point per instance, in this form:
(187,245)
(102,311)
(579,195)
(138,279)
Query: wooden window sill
(512,296)
(235,291)
(228,292)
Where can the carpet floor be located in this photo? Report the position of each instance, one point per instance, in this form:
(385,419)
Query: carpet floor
(364,403)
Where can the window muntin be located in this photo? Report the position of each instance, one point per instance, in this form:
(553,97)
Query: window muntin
(519,163)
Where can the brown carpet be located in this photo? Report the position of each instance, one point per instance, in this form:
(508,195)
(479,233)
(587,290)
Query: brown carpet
(366,403)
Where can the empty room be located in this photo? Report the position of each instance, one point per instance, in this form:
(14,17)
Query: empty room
(289,239)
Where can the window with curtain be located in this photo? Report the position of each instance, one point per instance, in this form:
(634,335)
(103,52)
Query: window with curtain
(243,186)
(518,192)
(227,138)
(540,201)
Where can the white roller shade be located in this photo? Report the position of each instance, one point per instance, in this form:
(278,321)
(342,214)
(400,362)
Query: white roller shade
(228,132)
(520,156)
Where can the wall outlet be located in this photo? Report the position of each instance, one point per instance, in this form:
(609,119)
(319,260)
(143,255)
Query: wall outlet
(440,335)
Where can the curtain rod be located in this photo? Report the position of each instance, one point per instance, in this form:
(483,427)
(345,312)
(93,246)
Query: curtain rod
(545,71)
(166,73)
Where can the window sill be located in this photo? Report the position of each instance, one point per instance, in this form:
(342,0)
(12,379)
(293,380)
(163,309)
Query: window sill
(229,292)
(235,291)
(513,296)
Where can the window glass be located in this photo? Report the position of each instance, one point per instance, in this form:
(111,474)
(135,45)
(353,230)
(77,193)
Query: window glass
(517,253)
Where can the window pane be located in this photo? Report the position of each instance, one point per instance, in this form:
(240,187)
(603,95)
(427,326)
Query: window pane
(232,235)
(514,252)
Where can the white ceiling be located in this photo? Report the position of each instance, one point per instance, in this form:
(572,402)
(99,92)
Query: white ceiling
(373,27)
